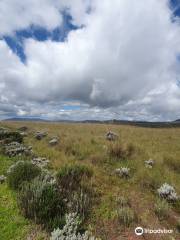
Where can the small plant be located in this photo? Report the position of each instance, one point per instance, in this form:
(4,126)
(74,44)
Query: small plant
(41,201)
(149,163)
(21,171)
(167,192)
(70,230)
(126,216)
(162,209)
(123,172)
(122,201)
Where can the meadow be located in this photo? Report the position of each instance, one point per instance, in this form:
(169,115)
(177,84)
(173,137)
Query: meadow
(120,204)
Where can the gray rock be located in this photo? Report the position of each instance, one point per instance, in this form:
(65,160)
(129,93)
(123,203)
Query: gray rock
(40,135)
(110,136)
(53,142)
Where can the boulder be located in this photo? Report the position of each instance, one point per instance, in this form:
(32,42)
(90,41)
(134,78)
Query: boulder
(40,135)
(53,142)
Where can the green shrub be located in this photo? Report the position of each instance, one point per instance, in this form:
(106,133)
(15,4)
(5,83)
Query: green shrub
(126,216)
(42,202)
(71,177)
(11,137)
(21,171)
(75,185)
(162,209)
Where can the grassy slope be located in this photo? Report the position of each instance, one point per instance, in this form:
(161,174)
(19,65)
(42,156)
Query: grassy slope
(12,224)
(86,144)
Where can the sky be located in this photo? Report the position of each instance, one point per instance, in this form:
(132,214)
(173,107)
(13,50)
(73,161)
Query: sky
(90,59)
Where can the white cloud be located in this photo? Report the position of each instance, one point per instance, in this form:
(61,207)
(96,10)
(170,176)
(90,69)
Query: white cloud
(124,58)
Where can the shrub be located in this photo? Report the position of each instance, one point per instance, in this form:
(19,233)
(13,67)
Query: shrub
(162,209)
(11,137)
(167,192)
(126,216)
(41,201)
(70,230)
(21,171)
(70,177)
(122,201)
(120,151)
(74,183)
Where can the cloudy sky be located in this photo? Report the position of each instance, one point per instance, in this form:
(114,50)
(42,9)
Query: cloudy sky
(90,59)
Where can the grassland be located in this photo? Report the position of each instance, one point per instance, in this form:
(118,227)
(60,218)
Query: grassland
(86,143)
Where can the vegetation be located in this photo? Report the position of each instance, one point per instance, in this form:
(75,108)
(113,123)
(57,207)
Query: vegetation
(21,171)
(85,164)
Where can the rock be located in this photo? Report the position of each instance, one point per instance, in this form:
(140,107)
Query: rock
(40,135)
(111,136)
(149,163)
(40,162)
(2,179)
(23,129)
(53,142)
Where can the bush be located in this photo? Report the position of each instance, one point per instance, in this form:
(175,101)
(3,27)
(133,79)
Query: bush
(120,151)
(11,137)
(41,201)
(74,183)
(71,177)
(21,171)
(167,192)
(126,216)
(70,230)
(162,209)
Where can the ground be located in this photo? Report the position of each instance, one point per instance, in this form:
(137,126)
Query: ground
(86,144)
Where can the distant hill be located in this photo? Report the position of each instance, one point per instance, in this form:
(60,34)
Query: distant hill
(26,119)
(175,123)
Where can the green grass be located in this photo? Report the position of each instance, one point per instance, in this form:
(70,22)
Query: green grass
(86,144)
(12,224)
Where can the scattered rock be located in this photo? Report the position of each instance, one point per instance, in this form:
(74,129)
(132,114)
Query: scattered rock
(111,136)
(149,163)
(24,134)
(40,135)
(23,129)
(53,142)
(2,179)
(40,162)
(167,192)
(123,172)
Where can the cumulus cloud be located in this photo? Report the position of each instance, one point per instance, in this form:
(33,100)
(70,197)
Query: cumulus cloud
(122,61)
